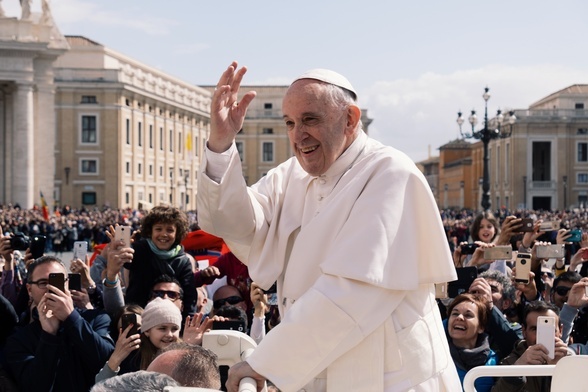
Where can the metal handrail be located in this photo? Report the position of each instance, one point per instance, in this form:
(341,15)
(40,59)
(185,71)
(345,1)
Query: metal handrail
(504,371)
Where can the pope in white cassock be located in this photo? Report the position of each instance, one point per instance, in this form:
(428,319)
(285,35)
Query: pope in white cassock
(351,233)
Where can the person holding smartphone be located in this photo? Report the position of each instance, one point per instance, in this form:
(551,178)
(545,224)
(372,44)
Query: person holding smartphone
(529,352)
(61,348)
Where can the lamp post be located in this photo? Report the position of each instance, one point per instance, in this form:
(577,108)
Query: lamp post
(485,135)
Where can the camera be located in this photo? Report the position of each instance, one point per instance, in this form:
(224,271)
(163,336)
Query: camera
(19,241)
(468,249)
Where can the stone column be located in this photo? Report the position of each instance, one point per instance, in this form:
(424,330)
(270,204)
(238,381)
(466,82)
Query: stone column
(23,147)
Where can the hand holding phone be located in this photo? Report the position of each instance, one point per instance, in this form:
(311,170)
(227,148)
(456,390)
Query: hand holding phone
(528,225)
(546,334)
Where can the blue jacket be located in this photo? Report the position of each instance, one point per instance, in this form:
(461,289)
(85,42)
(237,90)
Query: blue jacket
(65,362)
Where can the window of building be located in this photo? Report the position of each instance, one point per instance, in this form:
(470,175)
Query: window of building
(150,135)
(128,131)
(150,170)
(579,105)
(240,147)
(583,152)
(541,160)
(151,195)
(127,198)
(196,146)
(89,99)
(180,142)
(127,102)
(89,198)
(128,167)
(89,131)
(268,152)
(161,138)
(140,133)
(161,196)
(582,131)
(268,105)
(160,171)
(140,195)
(582,200)
(139,168)
(267,131)
(88,166)
(171,140)
(582,178)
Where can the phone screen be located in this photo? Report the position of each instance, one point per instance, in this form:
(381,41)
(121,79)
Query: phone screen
(57,280)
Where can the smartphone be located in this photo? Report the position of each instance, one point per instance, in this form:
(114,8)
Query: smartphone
(576,236)
(550,226)
(123,233)
(441,290)
(550,251)
(233,325)
(468,249)
(465,278)
(57,279)
(546,334)
(523,267)
(128,319)
(272,289)
(38,246)
(527,225)
(80,250)
(502,252)
(74,282)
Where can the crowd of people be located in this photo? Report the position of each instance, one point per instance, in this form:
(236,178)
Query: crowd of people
(141,306)
(156,279)
(376,288)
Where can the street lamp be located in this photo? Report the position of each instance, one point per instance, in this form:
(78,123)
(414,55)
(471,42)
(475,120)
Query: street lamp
(485,135)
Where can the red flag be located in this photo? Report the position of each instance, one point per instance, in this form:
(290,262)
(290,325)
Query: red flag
(44,208)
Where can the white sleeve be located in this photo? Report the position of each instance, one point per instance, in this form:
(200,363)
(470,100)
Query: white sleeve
(217,164)
(257,331)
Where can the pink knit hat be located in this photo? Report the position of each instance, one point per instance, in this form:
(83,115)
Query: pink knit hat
(160,311)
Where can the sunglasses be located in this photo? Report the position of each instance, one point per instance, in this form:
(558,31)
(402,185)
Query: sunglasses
(548,274)
(173,295)
(562,290)
(232,300)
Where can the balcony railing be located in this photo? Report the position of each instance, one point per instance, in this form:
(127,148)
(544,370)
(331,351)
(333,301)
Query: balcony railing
(544,185)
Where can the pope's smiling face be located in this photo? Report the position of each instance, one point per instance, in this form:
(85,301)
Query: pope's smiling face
(319,130)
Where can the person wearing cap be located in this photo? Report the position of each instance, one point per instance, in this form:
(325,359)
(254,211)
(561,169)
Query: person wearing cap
(160,326)
(340,227)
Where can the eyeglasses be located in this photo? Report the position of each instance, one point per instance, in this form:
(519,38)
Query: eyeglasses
(41,283)
(173,295)
(232,300)
(549,274)
(562,290)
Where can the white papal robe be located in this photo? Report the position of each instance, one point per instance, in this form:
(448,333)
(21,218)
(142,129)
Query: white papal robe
(355,252)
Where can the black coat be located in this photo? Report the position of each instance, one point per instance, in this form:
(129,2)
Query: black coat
(146,267)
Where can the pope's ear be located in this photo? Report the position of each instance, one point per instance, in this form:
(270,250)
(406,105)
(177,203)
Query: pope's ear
(353,116)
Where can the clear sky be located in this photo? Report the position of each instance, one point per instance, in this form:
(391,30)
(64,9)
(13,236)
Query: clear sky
(414,63)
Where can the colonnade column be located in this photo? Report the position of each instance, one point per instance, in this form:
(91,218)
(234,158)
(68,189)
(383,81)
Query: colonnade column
(23,147)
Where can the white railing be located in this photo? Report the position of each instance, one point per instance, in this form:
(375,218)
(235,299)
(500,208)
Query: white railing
(504,371)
